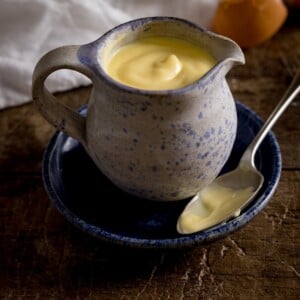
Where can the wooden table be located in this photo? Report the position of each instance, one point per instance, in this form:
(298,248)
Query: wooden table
(42,256)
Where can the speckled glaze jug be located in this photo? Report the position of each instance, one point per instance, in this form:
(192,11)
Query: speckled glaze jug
(160,145)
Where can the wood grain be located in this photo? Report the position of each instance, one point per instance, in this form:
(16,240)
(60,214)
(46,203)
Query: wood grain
(43,256)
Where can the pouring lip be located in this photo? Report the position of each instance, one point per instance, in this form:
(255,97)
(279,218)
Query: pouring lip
(88,55)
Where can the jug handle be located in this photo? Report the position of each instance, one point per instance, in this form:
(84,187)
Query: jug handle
(55,112)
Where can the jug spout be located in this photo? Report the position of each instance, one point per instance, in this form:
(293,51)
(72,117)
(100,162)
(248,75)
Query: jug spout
(227,52)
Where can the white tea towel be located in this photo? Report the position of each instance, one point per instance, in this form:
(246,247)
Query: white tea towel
(30,28)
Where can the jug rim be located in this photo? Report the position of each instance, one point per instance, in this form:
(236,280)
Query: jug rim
(88,55)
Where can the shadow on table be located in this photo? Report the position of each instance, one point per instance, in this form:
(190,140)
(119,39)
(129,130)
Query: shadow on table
(104,263)
(69,261)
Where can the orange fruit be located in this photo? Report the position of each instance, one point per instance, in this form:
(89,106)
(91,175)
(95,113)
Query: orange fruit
(249,22)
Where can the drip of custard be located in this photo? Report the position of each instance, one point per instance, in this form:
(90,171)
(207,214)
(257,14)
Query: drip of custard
(214,204)
(159,63)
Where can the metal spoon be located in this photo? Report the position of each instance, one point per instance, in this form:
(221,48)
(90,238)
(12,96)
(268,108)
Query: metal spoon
(228,194)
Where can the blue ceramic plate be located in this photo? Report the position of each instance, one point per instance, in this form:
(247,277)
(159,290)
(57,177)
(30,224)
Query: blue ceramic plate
(76,187)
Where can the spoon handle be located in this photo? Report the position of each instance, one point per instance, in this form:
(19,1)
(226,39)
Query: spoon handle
(292,91)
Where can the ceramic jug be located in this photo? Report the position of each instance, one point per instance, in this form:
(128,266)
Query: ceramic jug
(161,145)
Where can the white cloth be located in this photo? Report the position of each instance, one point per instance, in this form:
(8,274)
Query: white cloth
(30,28)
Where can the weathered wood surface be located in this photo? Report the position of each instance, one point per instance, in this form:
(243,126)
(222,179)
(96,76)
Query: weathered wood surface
(43,257)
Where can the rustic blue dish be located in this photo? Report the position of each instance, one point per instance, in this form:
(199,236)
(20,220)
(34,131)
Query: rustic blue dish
(75,186)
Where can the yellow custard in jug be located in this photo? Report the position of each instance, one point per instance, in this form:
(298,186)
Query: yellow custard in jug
(159,63)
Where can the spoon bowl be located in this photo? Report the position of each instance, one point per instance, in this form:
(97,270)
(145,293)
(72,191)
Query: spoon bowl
(204,208)
(229,194)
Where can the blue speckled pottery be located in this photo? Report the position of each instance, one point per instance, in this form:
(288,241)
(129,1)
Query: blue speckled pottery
(75,186)
(160,145)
